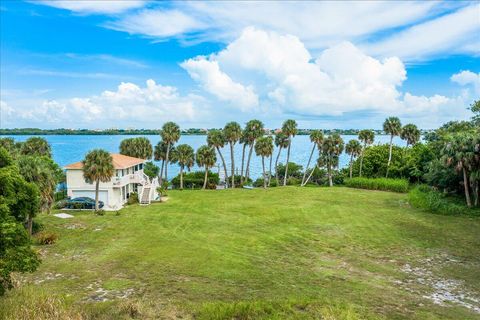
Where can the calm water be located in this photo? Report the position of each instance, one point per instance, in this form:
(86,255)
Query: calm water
(67,149)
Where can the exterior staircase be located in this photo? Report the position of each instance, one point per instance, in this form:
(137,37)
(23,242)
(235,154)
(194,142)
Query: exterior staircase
(145,197)
(149,189)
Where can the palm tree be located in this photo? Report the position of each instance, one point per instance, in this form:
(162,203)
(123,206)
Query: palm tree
(254,130)
(393,127)
(289,128)
(186,158)
(207,158)
(316,137)
(170,133)
(98,167)
(139,147)
(232,132)
(367,137)
(282,142)
(353,148)
(244,141)
(159,154)
(264,148)
(216,139)
(36,146)
(332,147)
(411,134)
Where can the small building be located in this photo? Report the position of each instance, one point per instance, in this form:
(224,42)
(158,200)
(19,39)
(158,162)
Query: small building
(128,178)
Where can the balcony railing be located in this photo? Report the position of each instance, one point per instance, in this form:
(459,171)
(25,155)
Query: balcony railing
(137,177)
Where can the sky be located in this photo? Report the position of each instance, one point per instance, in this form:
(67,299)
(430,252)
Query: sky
(138,64)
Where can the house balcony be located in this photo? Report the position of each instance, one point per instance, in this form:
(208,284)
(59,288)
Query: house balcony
(137,177)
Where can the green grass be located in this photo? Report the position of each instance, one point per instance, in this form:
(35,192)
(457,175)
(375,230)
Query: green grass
(282,253)
(384,184)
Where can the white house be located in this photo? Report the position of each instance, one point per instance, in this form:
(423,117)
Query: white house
(128,178)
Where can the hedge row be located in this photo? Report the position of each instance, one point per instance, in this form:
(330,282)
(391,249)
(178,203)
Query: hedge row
(396,185)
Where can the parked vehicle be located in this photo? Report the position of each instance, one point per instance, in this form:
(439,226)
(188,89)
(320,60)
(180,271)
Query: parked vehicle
(82,203)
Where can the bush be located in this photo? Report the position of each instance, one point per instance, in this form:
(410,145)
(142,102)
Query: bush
(396,185)
(37,226)
(100,212)
(60,204)
(424,197)
(237,181)
(293,181)
(294,170)
(60,195)
(259,183)
(46,237)
(133,198)
(194,180)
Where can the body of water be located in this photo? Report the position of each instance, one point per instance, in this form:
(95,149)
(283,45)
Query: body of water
(72,148)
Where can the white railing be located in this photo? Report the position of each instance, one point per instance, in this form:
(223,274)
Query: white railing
(137,177)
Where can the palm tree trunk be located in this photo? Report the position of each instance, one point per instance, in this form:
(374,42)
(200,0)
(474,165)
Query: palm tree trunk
(286,165)
(361,160)
(224,166)
(206,178)
(161,173)
(270,170)
(166,161)
(276,165)
(477,194)
(351,165)
(233,165)
(30,224)
(330,182)
(308,164)
(243,160)
(181,177)
(465,185)
(310,175)
(264,176)
(97,185)
(389,155)
(247,170)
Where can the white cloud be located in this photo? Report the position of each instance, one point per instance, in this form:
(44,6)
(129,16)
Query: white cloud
(127,106)
(467,78)
(67,74)
(94,6)
(458,32)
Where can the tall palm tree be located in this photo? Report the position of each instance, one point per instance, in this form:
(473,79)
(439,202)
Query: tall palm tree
(316,137)
(254,130)
(244,141)
(332,147)
(410,133)
(264,148)
(232,132)
(393,127)
(367,137)
(36,146)
(289,128)
(170,133)
(216,139)
(353,148)
(282,142)
(186,159)
(159,154)
(98,167)
(206,158)
(139,147)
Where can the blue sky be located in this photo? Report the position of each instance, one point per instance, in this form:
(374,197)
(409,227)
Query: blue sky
(102,64)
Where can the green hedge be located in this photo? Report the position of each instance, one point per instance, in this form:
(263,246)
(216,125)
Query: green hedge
(384,184)
(424,197)
(194,180)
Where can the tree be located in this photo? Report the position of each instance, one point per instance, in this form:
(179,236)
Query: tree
(170,134)
(282,142)
(316,137)
(98,167)
(367,137)
(264,148)
(139,147)
(411,134)
(244,141)
(354,148)
(186,158)
(233,133)
(207,158)
(331,149)
(36,146)
(216,139)
(253,131)
(393,127)
(289,128)
(159,154)
(475,108)
(459,152)
(151,170)
(44,173)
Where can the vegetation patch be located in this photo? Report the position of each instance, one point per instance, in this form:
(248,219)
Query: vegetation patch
(384,184)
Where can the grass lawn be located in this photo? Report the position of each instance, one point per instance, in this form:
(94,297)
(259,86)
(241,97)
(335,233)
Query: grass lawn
(301,253)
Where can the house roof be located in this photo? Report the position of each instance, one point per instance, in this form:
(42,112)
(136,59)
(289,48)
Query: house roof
(120,161)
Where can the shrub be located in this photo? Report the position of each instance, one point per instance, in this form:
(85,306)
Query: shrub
(46,237)
(237,181)
(259,183)
(100,212)
(294,170)
(60,204)
(294,181)
(133,198)
(424,197)
(396,185)
(37,226)
(194,180)
(60,195)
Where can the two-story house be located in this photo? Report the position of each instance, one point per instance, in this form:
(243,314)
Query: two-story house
(128,178)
